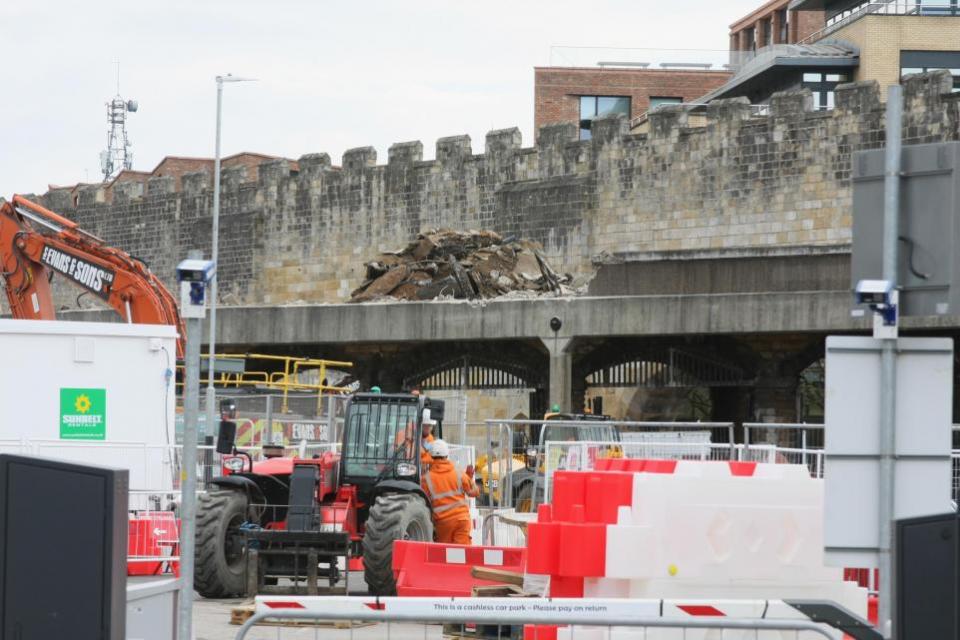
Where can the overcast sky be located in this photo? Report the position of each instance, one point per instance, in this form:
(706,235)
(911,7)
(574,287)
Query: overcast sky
(332,75)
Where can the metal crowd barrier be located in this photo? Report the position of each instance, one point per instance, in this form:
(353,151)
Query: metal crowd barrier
(593,618)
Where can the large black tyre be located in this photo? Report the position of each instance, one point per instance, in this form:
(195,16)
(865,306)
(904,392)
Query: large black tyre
(394,516)
(220,570)
(523,502)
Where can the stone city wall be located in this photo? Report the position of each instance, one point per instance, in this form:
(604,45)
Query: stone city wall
(781,179)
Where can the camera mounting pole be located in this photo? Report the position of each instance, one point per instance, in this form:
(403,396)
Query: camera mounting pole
(194,274)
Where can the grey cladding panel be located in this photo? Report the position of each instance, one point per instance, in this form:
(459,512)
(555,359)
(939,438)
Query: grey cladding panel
(929,263)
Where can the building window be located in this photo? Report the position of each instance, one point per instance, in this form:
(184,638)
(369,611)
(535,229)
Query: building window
(822,85)
(924,61)
(656,101)
(784,25)
(767,33)
(597,106)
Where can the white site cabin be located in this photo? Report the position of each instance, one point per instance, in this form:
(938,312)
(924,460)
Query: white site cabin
(91,392)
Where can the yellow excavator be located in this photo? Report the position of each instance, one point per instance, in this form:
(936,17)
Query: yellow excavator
(524,471)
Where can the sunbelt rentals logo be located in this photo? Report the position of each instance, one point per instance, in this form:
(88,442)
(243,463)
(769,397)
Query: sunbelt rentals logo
(83,414)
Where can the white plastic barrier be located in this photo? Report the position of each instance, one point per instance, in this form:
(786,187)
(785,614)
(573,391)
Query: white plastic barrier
(707,533)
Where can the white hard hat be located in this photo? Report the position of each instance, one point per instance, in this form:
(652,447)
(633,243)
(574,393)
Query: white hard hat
(439,449)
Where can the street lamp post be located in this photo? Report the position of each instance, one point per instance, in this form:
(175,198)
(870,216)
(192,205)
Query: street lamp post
(214,252)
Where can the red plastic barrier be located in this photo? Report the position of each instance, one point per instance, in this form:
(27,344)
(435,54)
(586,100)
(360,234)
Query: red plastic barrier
(566,587)
(431,569)
(607,491)
(153,534)
(568,490)
(636,465)
(540,631)
(746,469)
(543,543)
(583,550)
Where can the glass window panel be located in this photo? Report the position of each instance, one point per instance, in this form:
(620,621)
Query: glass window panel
(836,77)
(812,77)
(584,134)
(588,107)
(656,101)
(829,99)
(607,105)
(905,71)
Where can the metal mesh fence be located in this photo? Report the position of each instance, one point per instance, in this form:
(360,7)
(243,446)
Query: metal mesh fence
(276,419)
(787,435)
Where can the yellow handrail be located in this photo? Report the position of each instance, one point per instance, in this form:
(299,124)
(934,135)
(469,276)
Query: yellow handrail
(284,381)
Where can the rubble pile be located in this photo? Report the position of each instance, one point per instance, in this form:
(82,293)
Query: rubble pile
(455,264)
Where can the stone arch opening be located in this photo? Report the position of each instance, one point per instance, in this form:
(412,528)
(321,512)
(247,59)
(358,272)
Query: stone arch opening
(658,382)
(484,383)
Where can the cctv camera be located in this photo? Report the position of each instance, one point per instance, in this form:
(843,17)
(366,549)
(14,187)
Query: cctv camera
(875,293)
(196,271)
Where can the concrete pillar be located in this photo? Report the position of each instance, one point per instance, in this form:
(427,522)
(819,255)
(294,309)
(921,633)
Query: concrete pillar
(561,372)
(775,400)
(775,394)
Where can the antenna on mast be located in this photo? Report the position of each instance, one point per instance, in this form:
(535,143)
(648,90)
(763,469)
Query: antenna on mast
(118,154)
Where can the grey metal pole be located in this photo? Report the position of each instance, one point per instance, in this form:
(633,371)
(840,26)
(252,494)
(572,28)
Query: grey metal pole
(188,476)
(268,427)
(888,362)
(214,250)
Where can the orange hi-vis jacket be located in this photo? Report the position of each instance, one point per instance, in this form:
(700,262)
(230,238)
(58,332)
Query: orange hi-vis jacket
(447,490)
(425,458)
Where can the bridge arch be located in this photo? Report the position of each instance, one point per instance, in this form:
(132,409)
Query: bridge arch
(661,380)
(509,367)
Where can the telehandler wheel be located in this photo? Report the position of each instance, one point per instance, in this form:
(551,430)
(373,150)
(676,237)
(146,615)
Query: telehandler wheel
(219,571)
(523,502)
(395,516)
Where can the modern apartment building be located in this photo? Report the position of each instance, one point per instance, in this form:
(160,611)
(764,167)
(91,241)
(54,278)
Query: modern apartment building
(840,41)
(773,23)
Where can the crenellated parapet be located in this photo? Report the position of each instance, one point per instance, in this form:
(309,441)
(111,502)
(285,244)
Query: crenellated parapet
(725,177)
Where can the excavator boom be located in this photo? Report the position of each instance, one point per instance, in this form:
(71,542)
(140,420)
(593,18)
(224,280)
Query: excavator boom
(36,243)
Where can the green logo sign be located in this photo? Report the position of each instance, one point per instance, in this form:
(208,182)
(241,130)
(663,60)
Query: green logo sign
(83,414)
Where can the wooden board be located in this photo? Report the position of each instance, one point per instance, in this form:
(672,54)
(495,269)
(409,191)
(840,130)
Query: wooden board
(497,575)
(497,591)
(242,613)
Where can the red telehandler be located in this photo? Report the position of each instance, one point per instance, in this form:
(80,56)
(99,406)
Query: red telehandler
(35,243)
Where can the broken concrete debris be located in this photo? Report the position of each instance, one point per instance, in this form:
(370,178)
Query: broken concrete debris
(442,263)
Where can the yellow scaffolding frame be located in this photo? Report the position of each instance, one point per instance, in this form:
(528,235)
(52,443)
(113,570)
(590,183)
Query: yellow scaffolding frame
(285,381)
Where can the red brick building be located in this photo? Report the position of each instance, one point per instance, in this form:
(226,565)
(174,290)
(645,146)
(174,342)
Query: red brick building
(176,166)
(578,94)
(774,23)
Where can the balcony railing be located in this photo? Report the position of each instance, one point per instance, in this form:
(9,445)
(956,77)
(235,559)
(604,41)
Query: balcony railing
(889,8)
(640,58)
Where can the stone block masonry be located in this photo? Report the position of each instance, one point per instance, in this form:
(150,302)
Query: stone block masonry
(779,180)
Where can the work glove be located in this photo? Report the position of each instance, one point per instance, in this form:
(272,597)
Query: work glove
(469,470)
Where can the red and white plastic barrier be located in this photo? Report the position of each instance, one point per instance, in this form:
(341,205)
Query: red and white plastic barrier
(153,543)
(680,529)
(434,569)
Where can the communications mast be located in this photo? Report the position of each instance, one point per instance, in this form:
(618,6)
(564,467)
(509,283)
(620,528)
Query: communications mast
(118,155)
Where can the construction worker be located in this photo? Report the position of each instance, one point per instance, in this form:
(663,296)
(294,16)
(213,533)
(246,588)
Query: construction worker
(448,493)
(426,442)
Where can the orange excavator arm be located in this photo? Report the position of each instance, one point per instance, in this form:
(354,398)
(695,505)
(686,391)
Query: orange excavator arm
(35,243)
